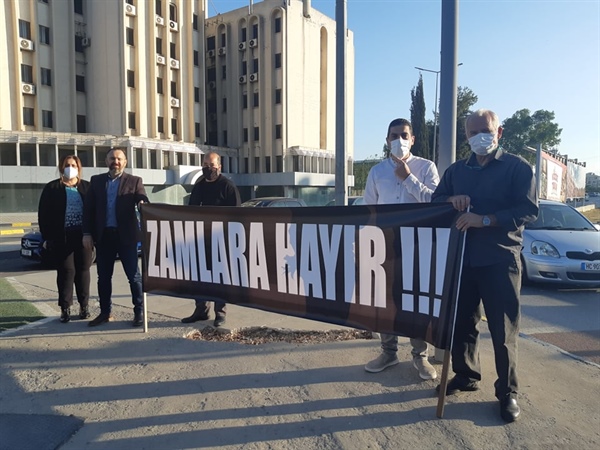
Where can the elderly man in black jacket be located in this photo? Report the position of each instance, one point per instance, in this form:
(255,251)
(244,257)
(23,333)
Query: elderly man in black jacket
(110,221)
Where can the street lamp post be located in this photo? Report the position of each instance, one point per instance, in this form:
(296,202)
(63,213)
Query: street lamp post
(435,110)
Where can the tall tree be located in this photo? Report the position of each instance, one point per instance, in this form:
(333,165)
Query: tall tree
(526,129)
(417,118)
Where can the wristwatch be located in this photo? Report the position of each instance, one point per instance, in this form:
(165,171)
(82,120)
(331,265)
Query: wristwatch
(486,221)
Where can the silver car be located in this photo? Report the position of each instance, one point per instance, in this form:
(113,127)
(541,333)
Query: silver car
(561,246)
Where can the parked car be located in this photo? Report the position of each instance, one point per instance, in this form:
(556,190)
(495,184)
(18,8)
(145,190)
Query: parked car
(274,202)
(31,248)
(561,246)
(352,201)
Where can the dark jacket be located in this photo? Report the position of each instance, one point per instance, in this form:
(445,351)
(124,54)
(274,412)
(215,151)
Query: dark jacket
(131,192)
(51,209)
(221,192)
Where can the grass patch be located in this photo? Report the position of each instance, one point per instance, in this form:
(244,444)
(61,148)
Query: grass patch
(593,215)
(14,309)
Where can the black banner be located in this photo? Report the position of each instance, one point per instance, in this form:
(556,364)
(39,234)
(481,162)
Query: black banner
(386,268)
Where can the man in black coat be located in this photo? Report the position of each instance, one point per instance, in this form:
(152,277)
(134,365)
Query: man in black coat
(110,222)
(213,189)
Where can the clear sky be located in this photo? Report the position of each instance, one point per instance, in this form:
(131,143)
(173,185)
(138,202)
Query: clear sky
(515,53)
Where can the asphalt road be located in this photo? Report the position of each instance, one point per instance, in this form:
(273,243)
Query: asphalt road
(568,318)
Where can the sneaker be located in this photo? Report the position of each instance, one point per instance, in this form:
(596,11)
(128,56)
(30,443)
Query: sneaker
(424,367)
(458,384)
(219,320)
(382,362)
(84,313)
(65,315)
(102,318)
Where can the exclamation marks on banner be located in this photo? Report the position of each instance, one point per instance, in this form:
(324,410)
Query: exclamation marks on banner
(425,247)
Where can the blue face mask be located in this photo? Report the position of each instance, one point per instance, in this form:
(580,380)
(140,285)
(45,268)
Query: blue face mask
(483,143)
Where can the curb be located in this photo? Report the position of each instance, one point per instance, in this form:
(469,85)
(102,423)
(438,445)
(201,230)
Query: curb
(12,231)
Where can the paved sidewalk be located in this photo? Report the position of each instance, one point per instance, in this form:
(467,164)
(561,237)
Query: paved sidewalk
(114,387)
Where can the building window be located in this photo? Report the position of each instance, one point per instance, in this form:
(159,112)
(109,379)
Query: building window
(268,164)
(79,44)
(44,35)
(210,43)
(129,36)
(256,133)
(244,35)
(158,7)
(277,24)
(159,85)
(173,126)
(255,99)
(255,65)
(79,83)
(81,124)
(196,58)
(277,96)
(197,129)
(47,119)
(131,78)
(24,29)
(255,31)
(277,131)
(197,95)
(44,1)
(224,105)
(131,120)
(195,21)
(277,60)
(28,116)
(159,46)
(160,124)
(245,134)
(174,89)
(244,68)
(78,6)
(173,14)
(257,164)
(26,73)
(223,40)
(173,50)
(46,77)
(244,100)
(224,72)
(224,138)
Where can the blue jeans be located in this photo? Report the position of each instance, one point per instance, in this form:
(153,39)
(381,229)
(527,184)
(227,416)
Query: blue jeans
(106,255)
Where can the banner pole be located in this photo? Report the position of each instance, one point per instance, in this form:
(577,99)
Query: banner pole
(443,385)
(145,313)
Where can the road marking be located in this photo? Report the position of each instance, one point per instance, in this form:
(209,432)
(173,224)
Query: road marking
(12,231)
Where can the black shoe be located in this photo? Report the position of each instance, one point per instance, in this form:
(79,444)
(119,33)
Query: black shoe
(102,318)
(458,384)
(509,410)
(84,313)
(219,320)
(65,315)
(197,315)
(138,320)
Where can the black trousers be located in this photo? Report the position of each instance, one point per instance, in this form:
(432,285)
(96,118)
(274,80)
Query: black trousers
(498,287)
(73,267)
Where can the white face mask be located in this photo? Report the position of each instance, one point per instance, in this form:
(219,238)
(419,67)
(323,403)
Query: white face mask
(483,143)
(70,172)
(400,148)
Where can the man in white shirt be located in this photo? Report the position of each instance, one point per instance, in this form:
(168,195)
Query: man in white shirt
(401,178)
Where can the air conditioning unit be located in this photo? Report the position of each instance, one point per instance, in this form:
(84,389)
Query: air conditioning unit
(174,102)
(26,44)
(242,46)
(254,77)
(212,85)
(242,79)
(129,10)
(222,51)
(173,25)
(27,88)
(174,63)
(160,21)
(86,41)
(253,42)
(211,53)
(160,59)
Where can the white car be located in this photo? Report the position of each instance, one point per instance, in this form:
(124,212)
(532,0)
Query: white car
(561,246)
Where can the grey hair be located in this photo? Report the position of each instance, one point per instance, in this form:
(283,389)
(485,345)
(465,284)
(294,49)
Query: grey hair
(484,113)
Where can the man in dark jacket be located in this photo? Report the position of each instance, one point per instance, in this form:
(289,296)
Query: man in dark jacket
(213,189)
(110,221)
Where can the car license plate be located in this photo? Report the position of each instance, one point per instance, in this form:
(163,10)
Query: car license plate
(590,266)
(26,252)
